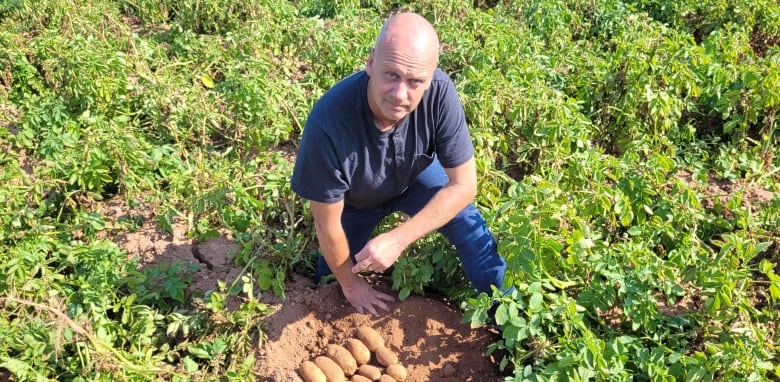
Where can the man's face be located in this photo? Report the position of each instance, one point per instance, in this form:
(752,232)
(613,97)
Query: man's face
(399,77)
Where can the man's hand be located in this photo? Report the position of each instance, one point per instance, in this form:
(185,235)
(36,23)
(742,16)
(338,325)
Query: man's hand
(335,249)
(382,251)
(378,254)
(364,298)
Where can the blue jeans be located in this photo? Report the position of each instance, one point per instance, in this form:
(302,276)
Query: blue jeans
(467,231)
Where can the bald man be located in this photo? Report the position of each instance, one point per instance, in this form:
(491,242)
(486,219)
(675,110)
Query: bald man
(392,137)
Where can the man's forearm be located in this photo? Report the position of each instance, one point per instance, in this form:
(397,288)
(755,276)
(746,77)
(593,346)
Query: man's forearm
(335,250)
(444,205)
(459,191)
(332,239)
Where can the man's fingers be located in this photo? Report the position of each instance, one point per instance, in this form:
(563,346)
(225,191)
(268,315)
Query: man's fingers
(385,297)
(361,255)
(379,304)
(382,305)
(361,266)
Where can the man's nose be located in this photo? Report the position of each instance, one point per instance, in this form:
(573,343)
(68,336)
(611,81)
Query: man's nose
(399,90)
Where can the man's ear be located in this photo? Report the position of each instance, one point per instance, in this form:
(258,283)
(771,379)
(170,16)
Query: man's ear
(370,63)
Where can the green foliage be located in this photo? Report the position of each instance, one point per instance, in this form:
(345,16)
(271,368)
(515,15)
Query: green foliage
(619,271)
(431,263)
(626,152)
(162,284)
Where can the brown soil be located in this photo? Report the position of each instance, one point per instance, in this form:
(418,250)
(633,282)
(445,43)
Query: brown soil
(425,333)
(721,191)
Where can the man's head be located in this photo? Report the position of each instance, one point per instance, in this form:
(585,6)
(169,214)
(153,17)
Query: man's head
(401,67)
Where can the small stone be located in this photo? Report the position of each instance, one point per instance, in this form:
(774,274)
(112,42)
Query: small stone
(448,371)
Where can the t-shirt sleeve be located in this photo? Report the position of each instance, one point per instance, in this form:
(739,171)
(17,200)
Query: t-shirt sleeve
(453,141)
(317,173)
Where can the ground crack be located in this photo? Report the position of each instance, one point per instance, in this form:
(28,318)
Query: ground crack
(196,253)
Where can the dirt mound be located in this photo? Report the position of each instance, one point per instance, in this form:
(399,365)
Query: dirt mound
(426,333)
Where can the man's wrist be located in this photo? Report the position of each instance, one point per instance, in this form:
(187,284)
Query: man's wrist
(404,235)
(348,279)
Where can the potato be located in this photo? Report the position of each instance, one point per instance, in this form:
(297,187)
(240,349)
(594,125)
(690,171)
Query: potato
(371,372)
(386,378)
(396,371)
(360,378)
(342,357)
(386,357)
(332,370)
(310,372)
(358,350)
(371,338)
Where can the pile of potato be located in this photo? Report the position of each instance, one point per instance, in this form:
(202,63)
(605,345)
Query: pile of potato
(352,361)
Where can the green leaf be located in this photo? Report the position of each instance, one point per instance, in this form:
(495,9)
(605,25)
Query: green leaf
(218,346)
(404,293)
(207,81)
(476,318)
(774,290)
(763,246)
(627,218)
(16,367)
(502,314)
(535,303)
(190,365)
(200,351)
(264,281)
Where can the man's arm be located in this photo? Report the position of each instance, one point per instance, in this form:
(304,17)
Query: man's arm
(335,249)
(383,250)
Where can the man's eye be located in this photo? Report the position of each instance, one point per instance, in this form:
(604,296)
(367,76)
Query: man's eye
(390,75)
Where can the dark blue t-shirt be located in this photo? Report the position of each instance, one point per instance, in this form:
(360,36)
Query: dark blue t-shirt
(344,156)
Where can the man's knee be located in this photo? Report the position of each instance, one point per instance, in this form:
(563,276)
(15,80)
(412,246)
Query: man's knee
(467,227)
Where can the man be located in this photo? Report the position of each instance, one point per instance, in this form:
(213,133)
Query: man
(392,138)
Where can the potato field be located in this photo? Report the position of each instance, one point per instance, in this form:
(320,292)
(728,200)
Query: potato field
(626,153)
